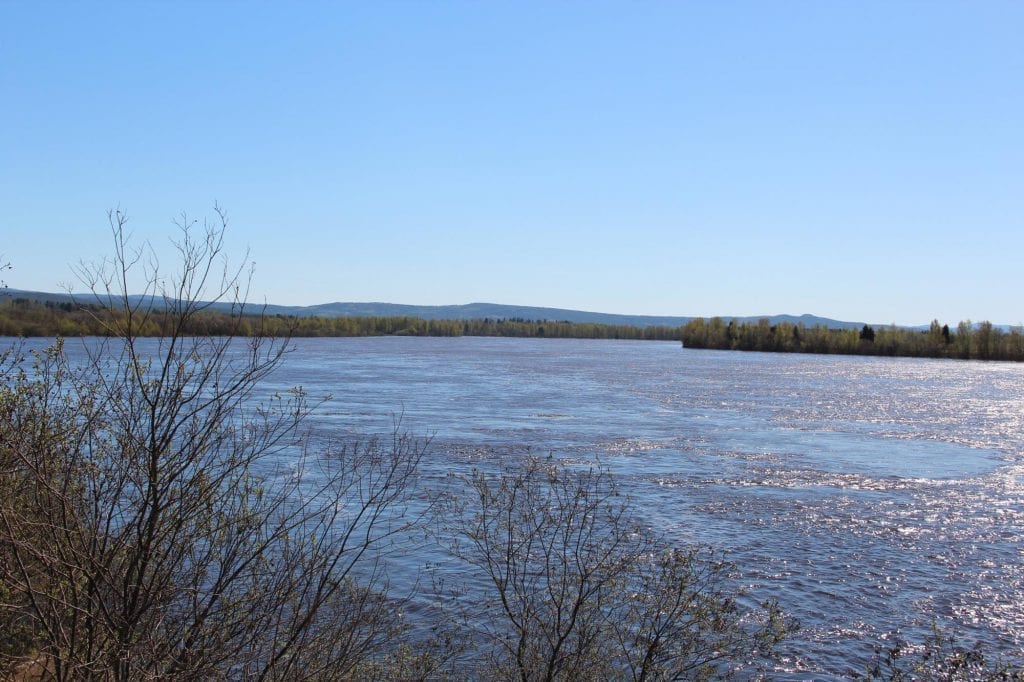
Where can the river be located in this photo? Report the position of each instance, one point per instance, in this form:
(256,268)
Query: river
(870,496)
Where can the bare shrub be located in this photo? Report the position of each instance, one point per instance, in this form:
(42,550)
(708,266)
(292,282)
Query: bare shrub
(155,525)
(579,589)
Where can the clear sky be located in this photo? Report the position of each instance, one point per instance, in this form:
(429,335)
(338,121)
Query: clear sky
(857,160)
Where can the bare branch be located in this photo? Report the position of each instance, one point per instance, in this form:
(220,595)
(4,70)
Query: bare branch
(149,527)
(579,584)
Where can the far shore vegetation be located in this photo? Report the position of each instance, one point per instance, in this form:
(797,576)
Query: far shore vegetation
(967,341)
(27,317)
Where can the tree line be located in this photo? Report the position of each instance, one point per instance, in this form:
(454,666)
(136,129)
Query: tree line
(26,317)
(982,341)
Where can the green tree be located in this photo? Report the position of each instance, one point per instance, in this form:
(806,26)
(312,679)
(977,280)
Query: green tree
(962,342)
(986,340)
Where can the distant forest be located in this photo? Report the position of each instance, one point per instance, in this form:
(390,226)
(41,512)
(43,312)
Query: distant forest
(26,317)
(982,341)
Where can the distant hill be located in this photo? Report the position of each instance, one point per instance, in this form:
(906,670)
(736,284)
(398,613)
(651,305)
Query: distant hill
(469,311)
(477,311)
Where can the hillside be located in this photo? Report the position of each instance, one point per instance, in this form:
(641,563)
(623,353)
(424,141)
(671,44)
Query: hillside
(472,311)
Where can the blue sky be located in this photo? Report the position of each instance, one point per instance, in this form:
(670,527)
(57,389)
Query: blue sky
(858,160)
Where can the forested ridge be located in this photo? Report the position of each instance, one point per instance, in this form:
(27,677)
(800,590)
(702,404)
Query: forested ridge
(26,317)
(982,341)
